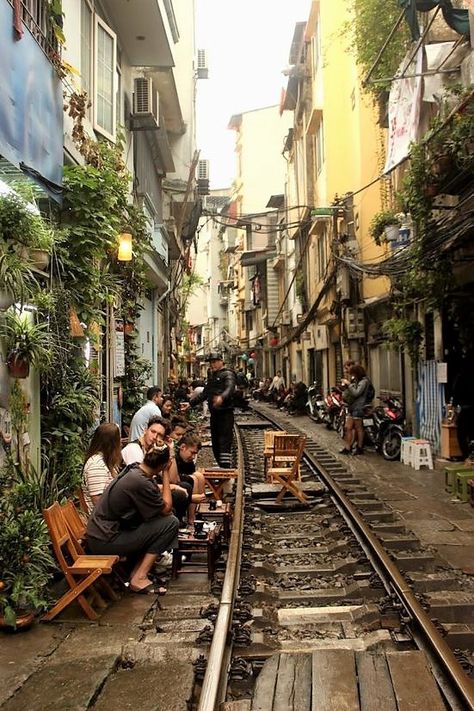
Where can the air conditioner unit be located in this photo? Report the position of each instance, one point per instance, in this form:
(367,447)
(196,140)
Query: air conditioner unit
(285,318)
(202,66)
(146,101)
(203,170)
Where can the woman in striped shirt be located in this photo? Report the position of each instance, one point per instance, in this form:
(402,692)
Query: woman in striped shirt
(102,460)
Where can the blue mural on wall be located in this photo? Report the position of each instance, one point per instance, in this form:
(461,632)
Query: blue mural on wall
(31,104)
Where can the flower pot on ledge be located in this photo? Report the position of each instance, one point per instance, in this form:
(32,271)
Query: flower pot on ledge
(17,366)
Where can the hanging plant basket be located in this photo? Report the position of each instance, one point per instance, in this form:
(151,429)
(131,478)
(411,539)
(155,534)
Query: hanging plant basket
(128,328)
(18,367)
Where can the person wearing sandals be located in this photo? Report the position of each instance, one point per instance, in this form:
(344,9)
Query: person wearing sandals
(133,518)
(102,460)
(355,396)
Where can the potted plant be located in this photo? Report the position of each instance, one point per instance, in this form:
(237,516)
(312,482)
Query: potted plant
(385,224)
(25,560)
(27,344)
(22,226)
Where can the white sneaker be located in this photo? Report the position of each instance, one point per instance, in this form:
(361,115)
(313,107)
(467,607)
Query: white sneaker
(166,560)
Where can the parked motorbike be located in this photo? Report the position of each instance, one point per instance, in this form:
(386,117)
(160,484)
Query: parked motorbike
(315,404)
(334,404)
(384,427)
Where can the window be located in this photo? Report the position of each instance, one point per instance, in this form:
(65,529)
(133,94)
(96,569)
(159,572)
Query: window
(316,42)
(389,370)
(322,256)
(104,94)
(319,147)
(86,47)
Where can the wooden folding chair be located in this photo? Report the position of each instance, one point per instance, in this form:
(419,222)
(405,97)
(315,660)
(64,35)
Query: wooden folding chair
(288,476)
(77,529)
(80,570)
(285,451)
(268,437)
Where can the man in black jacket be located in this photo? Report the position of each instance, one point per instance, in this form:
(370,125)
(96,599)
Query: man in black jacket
(218,392)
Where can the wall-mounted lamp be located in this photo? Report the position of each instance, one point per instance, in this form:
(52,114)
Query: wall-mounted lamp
(125,247)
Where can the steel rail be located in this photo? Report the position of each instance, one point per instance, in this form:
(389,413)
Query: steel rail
(463,686)
(215,680)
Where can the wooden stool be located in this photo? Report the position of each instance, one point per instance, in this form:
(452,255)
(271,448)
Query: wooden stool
(216,478)
(462,480)
(405,451)
(221,515)
(188,544)
(421,454)
(450,473)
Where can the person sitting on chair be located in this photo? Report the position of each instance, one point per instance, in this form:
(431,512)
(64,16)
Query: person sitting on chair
(133,517)
(101,465)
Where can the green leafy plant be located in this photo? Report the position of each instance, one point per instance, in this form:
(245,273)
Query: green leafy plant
(379,222)
(16,279)
(26,340)
(369,27)
(404,333)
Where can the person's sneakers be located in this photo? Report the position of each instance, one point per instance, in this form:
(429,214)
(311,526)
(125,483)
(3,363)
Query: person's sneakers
(358,450)
(166,560)
(344,450)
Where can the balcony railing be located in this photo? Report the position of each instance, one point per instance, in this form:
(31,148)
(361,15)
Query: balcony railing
(36,17)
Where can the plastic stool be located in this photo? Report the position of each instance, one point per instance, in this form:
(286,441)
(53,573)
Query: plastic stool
(421,454)
(405,451)
(470,485)
(462,481)
(450,476)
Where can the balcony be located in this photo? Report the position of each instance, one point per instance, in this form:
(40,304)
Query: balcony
(145,32)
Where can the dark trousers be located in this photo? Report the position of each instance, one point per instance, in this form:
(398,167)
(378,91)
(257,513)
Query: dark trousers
(156,536)
(222,432)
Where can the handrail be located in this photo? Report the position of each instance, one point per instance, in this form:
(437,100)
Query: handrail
(213,686)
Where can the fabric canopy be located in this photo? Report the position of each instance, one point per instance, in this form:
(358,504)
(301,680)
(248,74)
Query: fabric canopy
(458,20)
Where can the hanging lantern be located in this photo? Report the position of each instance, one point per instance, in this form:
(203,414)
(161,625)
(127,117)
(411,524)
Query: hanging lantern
(250,361)
(244,356)
(125,247)
(253,354)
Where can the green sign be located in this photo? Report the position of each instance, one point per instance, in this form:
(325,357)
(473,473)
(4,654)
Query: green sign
(323,211)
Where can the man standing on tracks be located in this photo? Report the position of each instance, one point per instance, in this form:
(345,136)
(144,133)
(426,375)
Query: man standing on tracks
(218,392)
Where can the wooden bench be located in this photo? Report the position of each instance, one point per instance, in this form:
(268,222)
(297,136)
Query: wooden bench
(209,548)
(80,570)
(216,478)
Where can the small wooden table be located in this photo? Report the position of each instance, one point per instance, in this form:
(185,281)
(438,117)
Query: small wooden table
(221,514)
(216,478)
(188,543)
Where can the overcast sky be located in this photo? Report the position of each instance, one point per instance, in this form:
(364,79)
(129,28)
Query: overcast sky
(248,44)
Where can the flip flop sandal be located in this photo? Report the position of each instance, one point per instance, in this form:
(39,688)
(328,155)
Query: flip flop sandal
(149,590)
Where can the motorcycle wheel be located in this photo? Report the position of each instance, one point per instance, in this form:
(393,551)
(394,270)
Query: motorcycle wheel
(391,445)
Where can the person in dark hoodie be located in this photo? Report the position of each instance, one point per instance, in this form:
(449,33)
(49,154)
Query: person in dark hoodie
(218,392)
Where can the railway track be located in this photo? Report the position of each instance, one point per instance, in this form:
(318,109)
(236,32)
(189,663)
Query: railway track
(327,576)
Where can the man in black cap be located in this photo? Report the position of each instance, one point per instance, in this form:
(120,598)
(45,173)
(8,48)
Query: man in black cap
(218,392)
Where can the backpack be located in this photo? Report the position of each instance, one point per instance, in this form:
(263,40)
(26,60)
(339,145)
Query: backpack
(369,393)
